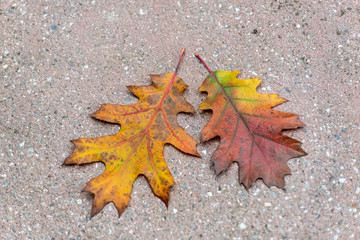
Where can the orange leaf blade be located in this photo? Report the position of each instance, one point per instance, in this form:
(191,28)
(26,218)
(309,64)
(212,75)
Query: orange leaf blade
(137,149)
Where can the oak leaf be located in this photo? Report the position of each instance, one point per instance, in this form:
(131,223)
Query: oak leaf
(137,149)
(250,130)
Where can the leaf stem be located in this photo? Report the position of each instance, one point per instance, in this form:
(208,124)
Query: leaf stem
(217,80)
(157,109)
(178,65)
(226,95)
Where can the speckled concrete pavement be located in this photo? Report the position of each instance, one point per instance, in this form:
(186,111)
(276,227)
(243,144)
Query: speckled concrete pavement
(59,60)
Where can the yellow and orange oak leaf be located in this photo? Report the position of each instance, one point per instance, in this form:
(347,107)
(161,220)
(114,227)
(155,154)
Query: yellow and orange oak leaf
(137,149)
(250,130)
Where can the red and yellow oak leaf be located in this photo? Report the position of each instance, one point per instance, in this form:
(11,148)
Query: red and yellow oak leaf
(137,149)
(250,130)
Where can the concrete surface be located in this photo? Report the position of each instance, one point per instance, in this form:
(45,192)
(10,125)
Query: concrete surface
(61,59)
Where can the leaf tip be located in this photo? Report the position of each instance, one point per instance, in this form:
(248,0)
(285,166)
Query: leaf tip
(96,114)
(235,73)
(66,162)
(93,213)
(69,161)
(165,200)
(120,207)
(86,189)
(281,184)
(245,187)
(197,154)
(93,115)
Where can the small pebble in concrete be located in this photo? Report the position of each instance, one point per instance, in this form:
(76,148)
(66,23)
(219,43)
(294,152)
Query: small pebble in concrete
(242,226)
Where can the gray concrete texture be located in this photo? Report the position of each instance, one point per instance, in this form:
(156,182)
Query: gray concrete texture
(59,60)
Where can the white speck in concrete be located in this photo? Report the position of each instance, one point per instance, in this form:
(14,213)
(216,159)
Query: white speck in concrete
(358,190)
(204,152)
(209,194)
(141,12)
(342,180)
(175,210)
(5,66)
(22,144)
(79,201)
(267,204)
(257,191)
(242,226)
